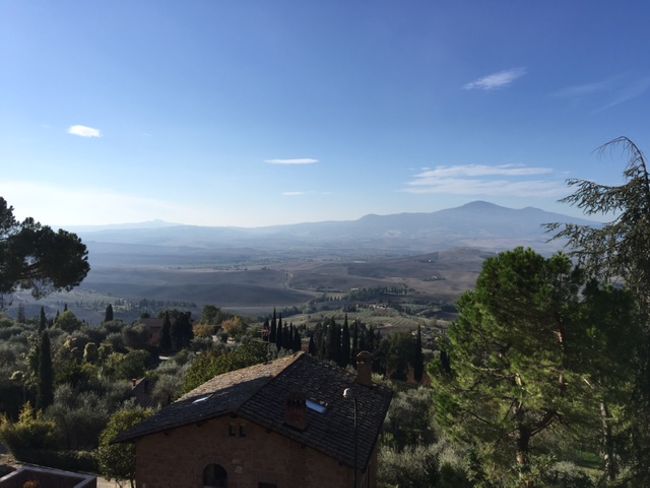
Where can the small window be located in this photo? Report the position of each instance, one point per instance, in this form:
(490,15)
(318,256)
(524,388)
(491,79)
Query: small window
(202,399)
(231,430)
(315,406)
(242,432)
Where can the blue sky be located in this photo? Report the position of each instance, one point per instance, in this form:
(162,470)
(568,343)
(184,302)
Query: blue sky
(266,112)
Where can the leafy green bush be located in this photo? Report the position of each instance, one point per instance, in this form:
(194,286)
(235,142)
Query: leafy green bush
(412,468)
(117,461)
(67,460)
(32,431)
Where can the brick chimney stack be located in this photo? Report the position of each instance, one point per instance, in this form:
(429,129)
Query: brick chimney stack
(364,368)
(295,415)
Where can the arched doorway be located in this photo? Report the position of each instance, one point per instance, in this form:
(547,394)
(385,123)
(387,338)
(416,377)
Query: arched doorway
(214,476)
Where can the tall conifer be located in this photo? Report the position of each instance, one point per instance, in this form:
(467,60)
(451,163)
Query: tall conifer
(45,385)
(418,359)
(108,314)
(42,320)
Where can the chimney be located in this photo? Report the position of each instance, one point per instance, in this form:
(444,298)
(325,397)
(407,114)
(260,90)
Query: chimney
(295,414)
(364,368)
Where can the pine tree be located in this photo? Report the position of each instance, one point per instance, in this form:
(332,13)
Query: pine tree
(45,380)
(108,314)
(418,358)
(165,335)
(344,356)
(42,321)
(620,250)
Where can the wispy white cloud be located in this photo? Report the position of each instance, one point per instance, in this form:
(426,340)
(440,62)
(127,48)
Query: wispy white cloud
(293,161)
(84,131)
(494,181)
(479,170)
(606,93)
(496,80)
(628,92)
(293,193)
(585,89)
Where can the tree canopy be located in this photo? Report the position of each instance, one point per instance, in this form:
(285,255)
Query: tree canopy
(35,257)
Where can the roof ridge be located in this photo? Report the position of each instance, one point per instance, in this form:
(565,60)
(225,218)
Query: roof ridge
(193,393)
(296,357)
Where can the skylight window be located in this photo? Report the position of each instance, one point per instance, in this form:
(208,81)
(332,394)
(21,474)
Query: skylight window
(202,399)
(315,406)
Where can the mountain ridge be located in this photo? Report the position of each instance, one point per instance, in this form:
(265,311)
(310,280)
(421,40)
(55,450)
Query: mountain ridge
(475,224)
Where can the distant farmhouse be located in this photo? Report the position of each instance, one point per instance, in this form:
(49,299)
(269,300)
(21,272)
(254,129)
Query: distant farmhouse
(283,424)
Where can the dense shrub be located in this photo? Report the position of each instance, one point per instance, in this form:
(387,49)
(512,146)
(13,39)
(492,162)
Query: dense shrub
(412,468)
(31,431)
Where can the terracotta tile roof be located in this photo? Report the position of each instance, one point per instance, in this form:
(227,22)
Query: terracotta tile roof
(259,394)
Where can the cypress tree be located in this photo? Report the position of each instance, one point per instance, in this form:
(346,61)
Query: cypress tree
(65,307)
(280,333)
(274,328)
(165,335)
(312,346)
(45,386)
(266,329)
(344,356)
(42,321)
(108,315)
(57,316)
(297,344)
(355,343)
(332,341)
(418,358)
(273,334)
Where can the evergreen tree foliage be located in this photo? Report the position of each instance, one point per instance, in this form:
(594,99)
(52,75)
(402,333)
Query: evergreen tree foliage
(45,380)
(108,314)
(312,346)
(42,320)
(117,460)
(418,358)
(513,357)
(344,355)
(266,330)
(34,257)
(280,334)
(166,335)
(620,249)
(274,329)
(355,343)
(181,329)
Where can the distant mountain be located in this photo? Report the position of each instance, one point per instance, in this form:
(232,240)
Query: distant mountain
(476,224)
(150,224)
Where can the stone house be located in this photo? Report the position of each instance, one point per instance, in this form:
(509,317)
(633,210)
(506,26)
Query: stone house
(282,424)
